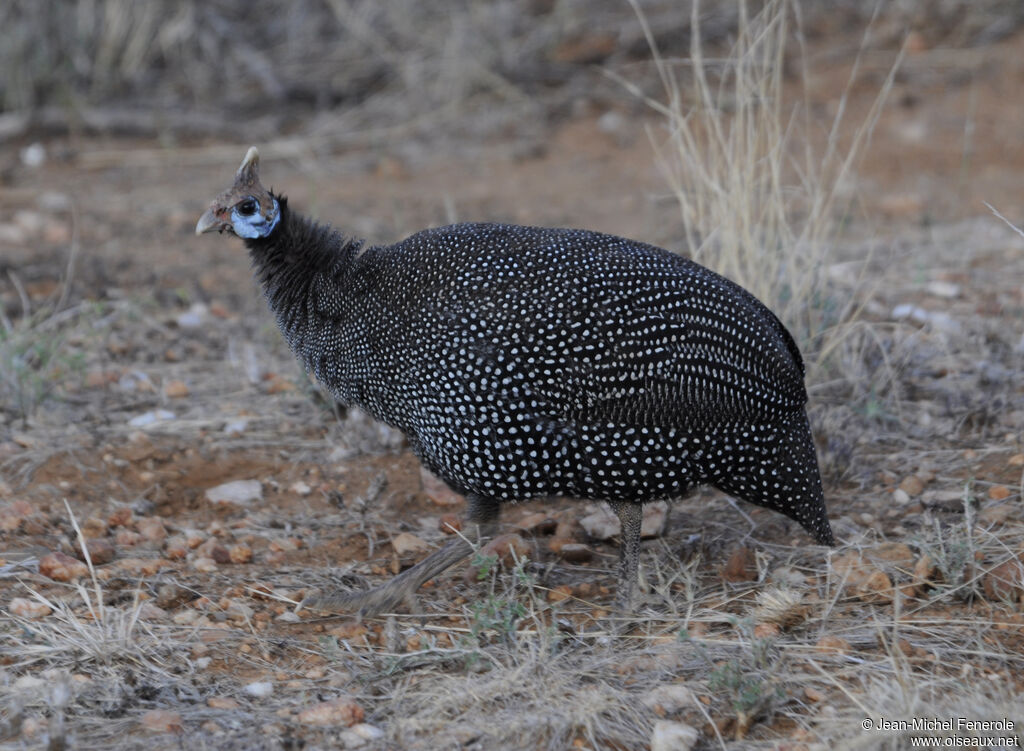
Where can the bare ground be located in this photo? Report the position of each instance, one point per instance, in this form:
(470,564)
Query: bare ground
(758,639)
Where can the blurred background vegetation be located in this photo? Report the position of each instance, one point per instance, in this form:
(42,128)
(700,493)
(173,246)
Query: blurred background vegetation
(324,69)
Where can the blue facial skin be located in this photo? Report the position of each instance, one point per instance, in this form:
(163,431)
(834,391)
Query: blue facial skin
(254,224)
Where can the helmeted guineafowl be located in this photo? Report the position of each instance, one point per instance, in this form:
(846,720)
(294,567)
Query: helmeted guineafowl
(524,362)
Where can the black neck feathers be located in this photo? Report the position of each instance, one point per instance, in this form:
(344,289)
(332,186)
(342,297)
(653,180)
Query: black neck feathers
(297,253)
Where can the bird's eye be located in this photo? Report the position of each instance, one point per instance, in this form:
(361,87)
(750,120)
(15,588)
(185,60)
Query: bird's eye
(248,207)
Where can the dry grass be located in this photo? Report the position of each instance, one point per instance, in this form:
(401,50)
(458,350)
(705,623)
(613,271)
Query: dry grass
(758,202)
(503,662)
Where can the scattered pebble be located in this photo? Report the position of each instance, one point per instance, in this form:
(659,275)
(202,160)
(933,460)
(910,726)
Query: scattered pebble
(150,612)
(300,488)
(943,289)
(450,523)
(912,485)
(175,389)
(1005,582)
(192,318)
(340,711)
(655,517)
(259,689)
(161,721)
(673,736)
(405,543)
(33,155)
(575,552)
(741,566)
(152,529)
(240,553)
(100,551)
(204,565)
(537,524)
(669,698)
(30,609)
(61,567)
(504,546)
(937,320)
(603,524)
(238,492)
(829,644)
(999,492)
(236,426)
(559,593)
(150,418)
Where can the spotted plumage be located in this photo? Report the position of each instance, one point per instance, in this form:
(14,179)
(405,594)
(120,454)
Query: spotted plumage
(524,362)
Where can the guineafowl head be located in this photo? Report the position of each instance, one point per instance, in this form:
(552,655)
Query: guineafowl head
(246,209)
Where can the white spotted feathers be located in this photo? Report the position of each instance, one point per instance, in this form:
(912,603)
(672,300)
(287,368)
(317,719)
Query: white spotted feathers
(524,362)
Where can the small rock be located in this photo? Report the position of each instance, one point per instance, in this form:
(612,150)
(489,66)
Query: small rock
(937,320)
(61,567)
(559,593)
(367,732)
(943,289)
(673,736)
(193,318)
(176,549)
(901,496)
(30,609)
(669,698)
(259,689)
(833,645)
(121,517)
(33,155)
(161,721)
(504,546)
(814,694)
(741,566)
(152,529)
(912,485)
(94,527)
(603,524)
(1005,582)
(340,711)
(300,488)
(175,389)
(13,514)
(575,552)
(537,524)
(127,538)
(450,523)
(237,492)
(924,570)
(1017,460)
(150,612)
(655,517)
(767,630)
(204,565)
(100,551)
(240,553)
(405,543)
(150,418)
(999,492)
(237,426)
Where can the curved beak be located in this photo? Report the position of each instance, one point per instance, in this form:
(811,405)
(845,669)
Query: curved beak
(209,222)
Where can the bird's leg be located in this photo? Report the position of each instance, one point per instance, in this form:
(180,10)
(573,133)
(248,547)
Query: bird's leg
(483,514)
(630,517)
